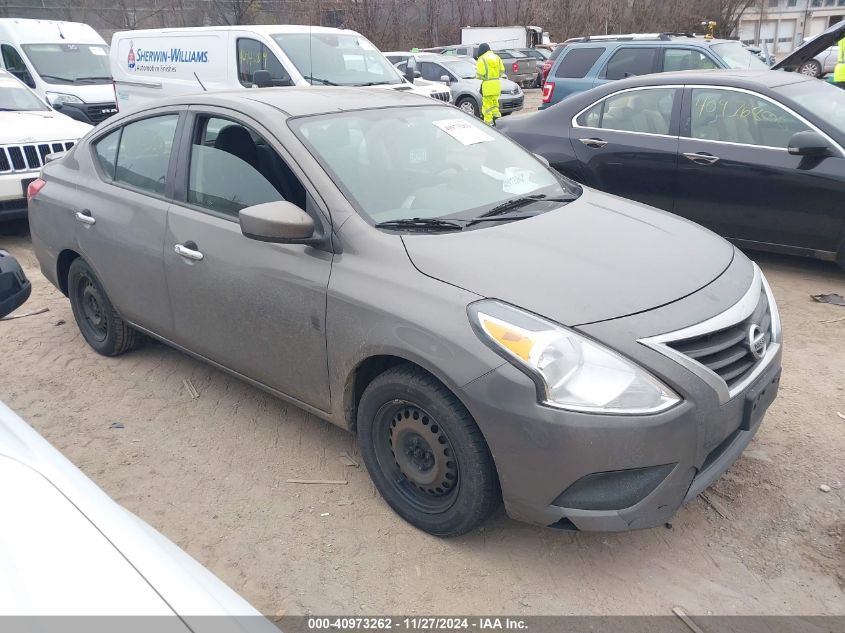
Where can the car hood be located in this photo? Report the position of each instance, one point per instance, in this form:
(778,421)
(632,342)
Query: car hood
(599,257)
(39,126)
(812,48)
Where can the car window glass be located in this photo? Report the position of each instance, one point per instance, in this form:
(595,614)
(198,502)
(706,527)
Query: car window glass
(646,111)
(106,150)
(431,72)
(824,102)
(739,117)
(232,167)
(578,62)
(13,62)
(630,62)
(252,56)
(144,152)
(685,59)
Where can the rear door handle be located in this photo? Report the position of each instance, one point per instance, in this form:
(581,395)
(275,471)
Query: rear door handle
(188,250)
(85,217)
(595,143)
(701,158)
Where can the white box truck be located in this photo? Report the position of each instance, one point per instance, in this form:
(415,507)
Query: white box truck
(499,37)
(154,63)
(64,63)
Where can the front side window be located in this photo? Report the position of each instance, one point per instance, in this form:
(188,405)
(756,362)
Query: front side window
(252,56)
(735,55)
(577,62)
(739,117)
(232,167)
(143,153)
(14,63)
(344,59)
(424,162)
(80,64)
(685,59)
(631,62)
(431,71)
(645,111)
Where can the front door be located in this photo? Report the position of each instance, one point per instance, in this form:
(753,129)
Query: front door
(254,307)
(121,217)
(627,144)
(736,177)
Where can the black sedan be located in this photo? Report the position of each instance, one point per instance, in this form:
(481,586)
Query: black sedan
(755,156)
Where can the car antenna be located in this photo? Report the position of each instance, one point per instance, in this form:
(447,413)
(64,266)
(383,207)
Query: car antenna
(204,89)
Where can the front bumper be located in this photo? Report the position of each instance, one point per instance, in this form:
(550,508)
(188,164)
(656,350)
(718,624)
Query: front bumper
(91,113)
(612,472)
(511,103)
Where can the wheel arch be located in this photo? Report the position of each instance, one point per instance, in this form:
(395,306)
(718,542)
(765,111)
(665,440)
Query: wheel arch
(63,262)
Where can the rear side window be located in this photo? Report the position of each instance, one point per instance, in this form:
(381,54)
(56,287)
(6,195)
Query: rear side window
(106,149)
(630,62)
(578,62)
(143,153)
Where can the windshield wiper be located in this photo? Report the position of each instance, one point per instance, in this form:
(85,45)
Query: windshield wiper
(424,224)
(375,83)
(515,203)
(67,79)
(93,79)
(325,82)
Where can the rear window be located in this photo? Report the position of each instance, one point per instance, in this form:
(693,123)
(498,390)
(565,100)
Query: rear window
(577,62)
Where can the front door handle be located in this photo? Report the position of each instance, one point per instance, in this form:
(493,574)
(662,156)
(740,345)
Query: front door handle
(594,143)
(85,217)
(701,158)
(188,250)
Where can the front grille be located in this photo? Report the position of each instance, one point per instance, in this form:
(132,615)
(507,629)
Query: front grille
(30,157)
(100,112)
(727,351)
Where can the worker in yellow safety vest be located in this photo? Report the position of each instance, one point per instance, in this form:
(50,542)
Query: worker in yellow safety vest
(488,69)
(839,71)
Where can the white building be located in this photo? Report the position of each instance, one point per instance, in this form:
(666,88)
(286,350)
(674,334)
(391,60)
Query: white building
(784,24)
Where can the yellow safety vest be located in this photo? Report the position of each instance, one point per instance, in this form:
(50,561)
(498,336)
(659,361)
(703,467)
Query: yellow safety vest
(839,72)
(489,66)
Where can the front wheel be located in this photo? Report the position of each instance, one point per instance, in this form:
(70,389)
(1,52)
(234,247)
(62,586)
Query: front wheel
(425,453)
(95,315)
(468,105)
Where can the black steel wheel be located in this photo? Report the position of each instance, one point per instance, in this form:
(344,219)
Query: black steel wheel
(100,324)
(425,454)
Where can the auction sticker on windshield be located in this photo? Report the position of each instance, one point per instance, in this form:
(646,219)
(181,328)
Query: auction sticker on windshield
(462,131)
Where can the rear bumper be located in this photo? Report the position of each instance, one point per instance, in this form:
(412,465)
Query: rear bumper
(12,196)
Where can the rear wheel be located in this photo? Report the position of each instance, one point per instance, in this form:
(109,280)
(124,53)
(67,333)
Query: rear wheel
(425,453)
(95,315)
(811,68)
(468,105)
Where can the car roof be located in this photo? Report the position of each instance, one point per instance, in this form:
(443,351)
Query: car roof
(267,29)
(660,39)
(764,78)
(304,100)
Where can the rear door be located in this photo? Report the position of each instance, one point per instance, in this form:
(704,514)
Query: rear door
(736,177)
(629,61)
(627,143)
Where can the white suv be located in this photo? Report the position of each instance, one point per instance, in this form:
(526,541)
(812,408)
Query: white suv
(29,131)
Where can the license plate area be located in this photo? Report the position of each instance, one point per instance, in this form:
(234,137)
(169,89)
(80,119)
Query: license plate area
(758,399)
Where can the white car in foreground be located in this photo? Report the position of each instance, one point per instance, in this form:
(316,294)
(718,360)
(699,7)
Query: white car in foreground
(29,131)
(67,549)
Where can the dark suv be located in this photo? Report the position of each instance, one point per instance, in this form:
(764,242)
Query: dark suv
(591,61)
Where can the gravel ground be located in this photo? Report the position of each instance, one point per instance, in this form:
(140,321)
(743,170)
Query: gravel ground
(210,473)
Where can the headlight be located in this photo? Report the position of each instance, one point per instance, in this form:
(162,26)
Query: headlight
(59,98)
(570,370)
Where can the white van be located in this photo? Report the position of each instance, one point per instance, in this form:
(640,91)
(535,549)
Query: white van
(65,63)
(154,63)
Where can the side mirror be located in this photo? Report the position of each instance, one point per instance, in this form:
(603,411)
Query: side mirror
(446,79)
(808,143)
(543,160)
(15,288)
(262,79)
(281,222)
(417,74)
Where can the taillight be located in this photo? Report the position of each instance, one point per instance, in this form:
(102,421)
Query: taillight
(547,66)
(34,187)
(548,90)
(515,67)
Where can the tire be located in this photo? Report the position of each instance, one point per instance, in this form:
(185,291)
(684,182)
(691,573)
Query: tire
(443,481)
(98,321)
(811,68)
(468,105)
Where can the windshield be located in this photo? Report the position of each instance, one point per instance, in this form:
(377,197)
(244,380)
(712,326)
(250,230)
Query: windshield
(16,97)
(344,59)
(461,68)
(402,163)
(825,102)
(70,63)
(735,55)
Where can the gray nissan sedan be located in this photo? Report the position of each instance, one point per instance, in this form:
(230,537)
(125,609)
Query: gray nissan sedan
(489,329)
